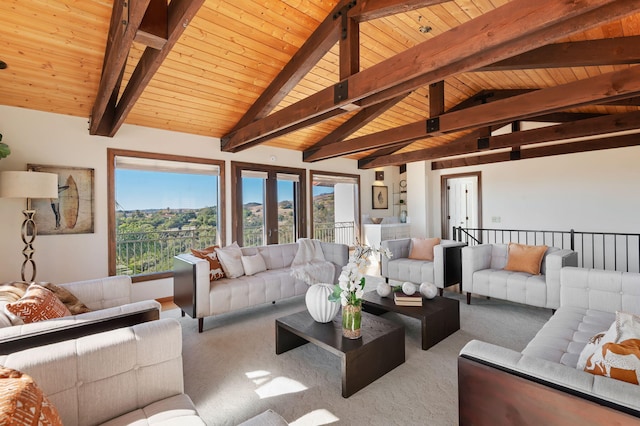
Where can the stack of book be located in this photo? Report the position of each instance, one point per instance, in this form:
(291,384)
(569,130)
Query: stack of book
(402,299)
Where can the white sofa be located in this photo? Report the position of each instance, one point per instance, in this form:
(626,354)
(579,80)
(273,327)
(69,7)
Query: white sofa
(541,385)
(483,274)
(108,298)
(199,298)
(443,271)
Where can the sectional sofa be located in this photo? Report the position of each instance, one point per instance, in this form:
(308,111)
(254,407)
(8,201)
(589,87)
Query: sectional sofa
(541,384)
(199,297)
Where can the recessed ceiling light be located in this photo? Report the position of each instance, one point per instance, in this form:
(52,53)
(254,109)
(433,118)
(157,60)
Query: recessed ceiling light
(3,65)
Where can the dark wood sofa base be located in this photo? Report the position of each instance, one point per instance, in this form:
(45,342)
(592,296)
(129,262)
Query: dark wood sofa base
(489,394)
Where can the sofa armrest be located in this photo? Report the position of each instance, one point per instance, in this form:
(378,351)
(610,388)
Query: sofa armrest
(446,263)
(399,249)
(555,261)
(474,258)
(496,382)
(102,293)
(336,253)
(191,285)
(601,290)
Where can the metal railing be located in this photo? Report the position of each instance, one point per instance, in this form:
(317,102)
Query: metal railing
(152,251)
(598,250)
(335,232)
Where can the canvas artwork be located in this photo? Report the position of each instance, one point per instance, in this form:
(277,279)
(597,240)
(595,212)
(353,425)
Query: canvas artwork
(380,197)
(72,211)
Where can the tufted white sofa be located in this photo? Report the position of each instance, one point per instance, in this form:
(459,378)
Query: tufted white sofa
(483,274)
(541,385)
(109,299)
(199,298)
(443,270)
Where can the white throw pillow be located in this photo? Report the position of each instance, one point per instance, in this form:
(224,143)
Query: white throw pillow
(253,264)
(596,343)
(230,258)
(627,326)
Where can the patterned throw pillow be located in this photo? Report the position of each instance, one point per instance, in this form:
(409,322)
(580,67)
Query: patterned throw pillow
(22,402)
(209,254)
(619,359)
(38,304)
(524,258)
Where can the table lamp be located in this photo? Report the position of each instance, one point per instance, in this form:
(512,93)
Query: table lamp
(21,184)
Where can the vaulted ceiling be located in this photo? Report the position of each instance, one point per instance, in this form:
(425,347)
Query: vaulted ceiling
(385,82)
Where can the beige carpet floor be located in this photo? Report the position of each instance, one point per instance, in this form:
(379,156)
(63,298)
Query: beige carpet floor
(232,372)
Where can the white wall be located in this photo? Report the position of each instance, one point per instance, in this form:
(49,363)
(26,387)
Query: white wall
(589,191)
(52,139)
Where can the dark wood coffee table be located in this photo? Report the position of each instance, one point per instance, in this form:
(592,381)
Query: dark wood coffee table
(440,316)
(378,351)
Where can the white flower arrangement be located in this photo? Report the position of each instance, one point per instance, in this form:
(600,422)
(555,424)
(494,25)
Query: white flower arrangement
(351,282)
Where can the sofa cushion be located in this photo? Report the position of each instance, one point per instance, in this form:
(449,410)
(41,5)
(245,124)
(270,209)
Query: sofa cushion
(422,248)
(253,264)
(525,258)
(518,287)
(415,271)
(22,401)
(230,258)
(209,254)
(38,304)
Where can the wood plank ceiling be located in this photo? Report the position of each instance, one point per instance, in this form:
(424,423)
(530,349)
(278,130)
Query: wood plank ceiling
(228,54)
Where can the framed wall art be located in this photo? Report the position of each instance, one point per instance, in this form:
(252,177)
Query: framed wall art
(379,197)
(72,211)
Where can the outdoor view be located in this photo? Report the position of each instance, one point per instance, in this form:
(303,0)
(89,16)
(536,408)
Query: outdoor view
(162,214)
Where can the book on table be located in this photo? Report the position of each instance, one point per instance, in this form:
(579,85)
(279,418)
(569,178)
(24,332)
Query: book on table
(402,299)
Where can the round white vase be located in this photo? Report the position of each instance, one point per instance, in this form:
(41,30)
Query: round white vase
(318,304)
(408,288)
(383,289)
(428,290)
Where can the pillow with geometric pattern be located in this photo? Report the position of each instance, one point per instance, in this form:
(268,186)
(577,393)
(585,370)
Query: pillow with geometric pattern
(38,304)
(22,402)
(210,255)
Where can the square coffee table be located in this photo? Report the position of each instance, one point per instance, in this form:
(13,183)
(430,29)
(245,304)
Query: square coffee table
(378,351)
(440,316)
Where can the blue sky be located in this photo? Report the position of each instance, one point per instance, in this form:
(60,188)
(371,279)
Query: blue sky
(140,190)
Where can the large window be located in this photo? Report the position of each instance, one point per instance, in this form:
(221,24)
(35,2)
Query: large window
(161,206)
(335,207)
(267,201)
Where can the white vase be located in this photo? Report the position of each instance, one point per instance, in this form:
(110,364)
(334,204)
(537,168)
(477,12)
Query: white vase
(318,304)
(428,290)
(408,288)
(383,289)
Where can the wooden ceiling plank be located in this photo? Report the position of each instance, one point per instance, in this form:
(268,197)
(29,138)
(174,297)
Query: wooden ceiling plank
(180,14)
(153,28)
(456,51)
(610,51)
(544,151)
(468,144)
(117,51)
(369,10)
(620,84)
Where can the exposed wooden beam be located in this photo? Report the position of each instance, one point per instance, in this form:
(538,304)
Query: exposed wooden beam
(608,51)
(366,10)
(544,151)
(349,47)
(180,14)
(614,85)
(516,27)
(118,44)
(487,96)
(469,144)
(153,30)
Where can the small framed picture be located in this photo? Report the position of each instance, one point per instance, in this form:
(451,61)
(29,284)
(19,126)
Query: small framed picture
(379,197)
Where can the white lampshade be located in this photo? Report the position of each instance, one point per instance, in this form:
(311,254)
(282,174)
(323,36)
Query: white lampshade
(28,185)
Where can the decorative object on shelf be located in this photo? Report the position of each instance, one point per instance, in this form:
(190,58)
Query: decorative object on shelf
(403,216)
(28,185)
(72,212)
(4,149)
(350,288)
(379,197)
(318,304)
(403,185)
(379,175)
(408,288)
(384,289)
(376,220)
(428,290)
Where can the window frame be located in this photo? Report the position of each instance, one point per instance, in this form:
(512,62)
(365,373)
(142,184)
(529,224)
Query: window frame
(112,153)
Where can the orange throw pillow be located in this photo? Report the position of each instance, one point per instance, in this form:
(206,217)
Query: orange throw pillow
(209,254)
(422,248)
(23,403)
(523,258)
(38,304)
(620,361)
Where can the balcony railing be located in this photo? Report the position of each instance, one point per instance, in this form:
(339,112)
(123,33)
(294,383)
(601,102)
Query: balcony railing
(150,252)
(598,250)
